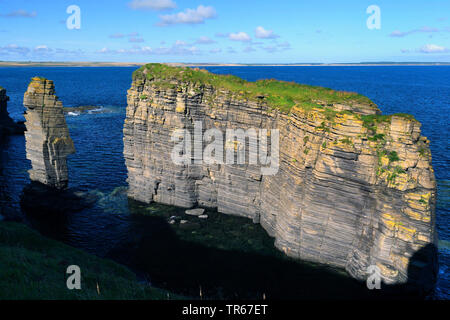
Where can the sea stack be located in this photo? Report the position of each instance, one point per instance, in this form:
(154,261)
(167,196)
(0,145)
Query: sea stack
(354,189)
(48,142)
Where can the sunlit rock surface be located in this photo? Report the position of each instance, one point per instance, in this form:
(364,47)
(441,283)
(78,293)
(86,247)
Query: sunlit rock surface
(354,188)
(48,142)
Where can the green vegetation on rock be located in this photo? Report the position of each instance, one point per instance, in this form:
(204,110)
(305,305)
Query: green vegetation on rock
(372,121)
(393,156)
(347,140)
(277,94)
(39,78)
(34,267)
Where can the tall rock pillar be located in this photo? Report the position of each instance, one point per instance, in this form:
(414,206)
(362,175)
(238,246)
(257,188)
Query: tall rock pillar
(48,142)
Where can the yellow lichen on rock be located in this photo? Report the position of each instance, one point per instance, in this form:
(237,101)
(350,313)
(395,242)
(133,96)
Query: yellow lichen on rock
(343,192)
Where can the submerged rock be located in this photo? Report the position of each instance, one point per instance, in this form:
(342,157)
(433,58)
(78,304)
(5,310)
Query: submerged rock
(48,142)
(195,212)
(354,188)
(39,199)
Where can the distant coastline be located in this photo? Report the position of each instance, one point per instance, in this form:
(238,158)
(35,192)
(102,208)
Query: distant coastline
(138,64)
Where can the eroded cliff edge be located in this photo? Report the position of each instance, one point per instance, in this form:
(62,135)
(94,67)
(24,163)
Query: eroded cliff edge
(7,125)
(48,142)
(354,188)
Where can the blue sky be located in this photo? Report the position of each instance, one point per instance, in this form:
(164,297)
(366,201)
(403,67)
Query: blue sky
(229,31)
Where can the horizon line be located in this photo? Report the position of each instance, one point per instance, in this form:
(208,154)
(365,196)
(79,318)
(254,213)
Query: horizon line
(115,63)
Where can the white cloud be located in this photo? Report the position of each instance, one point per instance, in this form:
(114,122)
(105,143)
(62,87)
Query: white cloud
(189,16)
(277,47)
(41,49)
(432,48)
(180,43)
(400,34)
(204,40)
(20,14)
(14,49)
(216,50)
(179,48)
(239,36)
(122,35)
(157,5)
(262,33)
(132,37)
(136,39)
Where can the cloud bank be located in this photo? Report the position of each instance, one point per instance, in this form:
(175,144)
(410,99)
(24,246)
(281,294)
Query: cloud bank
(156,5)
(262,33)
(189,16)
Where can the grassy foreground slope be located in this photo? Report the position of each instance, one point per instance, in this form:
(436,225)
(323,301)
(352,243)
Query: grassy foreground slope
(34,267)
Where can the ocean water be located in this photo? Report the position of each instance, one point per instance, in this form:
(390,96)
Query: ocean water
(110,228)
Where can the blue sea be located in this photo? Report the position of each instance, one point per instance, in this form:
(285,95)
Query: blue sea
(98,166)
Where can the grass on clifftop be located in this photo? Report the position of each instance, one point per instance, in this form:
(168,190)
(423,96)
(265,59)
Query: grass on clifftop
(34,267)
(278,94)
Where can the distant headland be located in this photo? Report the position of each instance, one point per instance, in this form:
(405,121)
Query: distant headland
(183,64)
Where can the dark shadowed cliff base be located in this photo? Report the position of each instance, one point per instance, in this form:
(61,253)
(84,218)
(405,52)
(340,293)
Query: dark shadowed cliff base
(224,257)
(203,257)
(40,199)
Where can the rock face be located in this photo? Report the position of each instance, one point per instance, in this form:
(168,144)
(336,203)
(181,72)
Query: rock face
(7,125)
(354,188)
(47,137)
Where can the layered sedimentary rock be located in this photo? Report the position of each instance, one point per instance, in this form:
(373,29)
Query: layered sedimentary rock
(354,188)
(48,142)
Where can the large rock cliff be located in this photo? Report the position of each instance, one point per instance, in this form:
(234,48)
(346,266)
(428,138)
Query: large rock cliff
(47,137)
(354,188)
